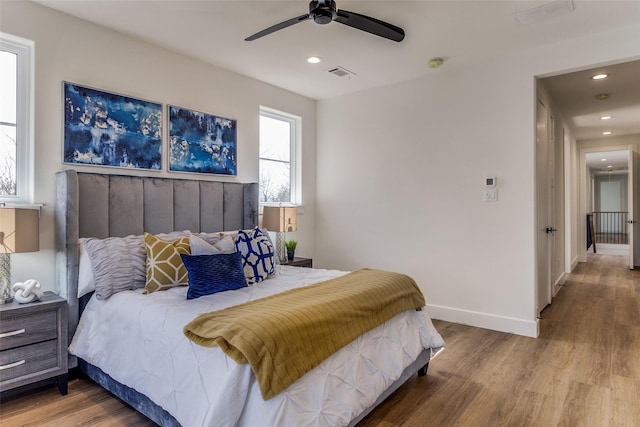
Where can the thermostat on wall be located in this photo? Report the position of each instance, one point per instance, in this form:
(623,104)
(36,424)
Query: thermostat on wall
(490,181)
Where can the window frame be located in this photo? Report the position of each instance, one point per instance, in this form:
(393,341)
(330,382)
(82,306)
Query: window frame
(25,82)
(295,196)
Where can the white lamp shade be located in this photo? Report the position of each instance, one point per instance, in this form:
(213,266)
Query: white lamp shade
(279,218)
(19,230)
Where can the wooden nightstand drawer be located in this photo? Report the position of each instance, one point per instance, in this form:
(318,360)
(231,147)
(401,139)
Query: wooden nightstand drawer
(33,343)
(22,330)
(299,262)
(28,359)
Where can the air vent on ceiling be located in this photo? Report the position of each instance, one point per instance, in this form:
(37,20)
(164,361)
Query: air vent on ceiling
(342,72)
(544,11)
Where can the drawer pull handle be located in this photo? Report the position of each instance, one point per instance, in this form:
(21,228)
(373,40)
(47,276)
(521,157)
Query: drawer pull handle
(12,365)
(12,333)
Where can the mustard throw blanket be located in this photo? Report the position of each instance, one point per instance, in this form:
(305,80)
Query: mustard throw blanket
(284,336)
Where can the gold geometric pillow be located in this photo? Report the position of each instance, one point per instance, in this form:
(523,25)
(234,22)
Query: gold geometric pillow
(165,269)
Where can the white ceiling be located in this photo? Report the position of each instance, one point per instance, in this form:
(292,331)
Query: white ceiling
(462,32)
(608,162)
(575,95)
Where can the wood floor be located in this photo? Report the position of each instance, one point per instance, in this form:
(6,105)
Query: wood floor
(583,370)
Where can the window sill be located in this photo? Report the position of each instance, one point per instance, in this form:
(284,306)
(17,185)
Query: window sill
(299,208)
(21,205)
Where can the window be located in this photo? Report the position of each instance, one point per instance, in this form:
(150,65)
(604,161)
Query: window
(16,123)
(278,140)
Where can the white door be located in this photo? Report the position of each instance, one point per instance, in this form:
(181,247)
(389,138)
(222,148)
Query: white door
(556,208)
(630,202)
(543,228)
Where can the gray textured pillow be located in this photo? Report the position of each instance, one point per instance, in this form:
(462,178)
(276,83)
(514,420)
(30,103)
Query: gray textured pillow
(211,238)
(199,246)
(119,263)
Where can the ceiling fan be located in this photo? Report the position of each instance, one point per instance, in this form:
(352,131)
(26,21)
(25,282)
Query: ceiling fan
(325,11)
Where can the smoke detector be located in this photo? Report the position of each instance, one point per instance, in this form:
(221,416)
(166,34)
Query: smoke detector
(436,62)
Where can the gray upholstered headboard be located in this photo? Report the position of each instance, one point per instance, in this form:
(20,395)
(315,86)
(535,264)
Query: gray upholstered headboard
(99,205)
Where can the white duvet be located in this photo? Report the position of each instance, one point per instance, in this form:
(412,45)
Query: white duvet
(137,339)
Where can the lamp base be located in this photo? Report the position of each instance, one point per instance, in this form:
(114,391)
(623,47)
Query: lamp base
(281,252)
(5,279)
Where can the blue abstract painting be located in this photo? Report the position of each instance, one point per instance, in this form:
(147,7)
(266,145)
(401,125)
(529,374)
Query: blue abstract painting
(106,129)
(200,142)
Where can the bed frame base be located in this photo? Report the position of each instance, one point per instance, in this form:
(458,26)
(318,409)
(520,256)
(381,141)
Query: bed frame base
(422,372)
(420,365)
(138,401)
(157,414)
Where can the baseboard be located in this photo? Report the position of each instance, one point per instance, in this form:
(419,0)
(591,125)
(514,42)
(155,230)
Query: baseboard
(485,320)
(574,262)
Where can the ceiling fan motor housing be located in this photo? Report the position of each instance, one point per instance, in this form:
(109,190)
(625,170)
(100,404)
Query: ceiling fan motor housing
(322,12)
(325,11)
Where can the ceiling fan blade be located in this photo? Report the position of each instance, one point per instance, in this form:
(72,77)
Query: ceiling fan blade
(370,25)
(277,27)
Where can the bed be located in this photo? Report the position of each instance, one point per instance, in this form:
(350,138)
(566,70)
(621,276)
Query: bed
(169,378)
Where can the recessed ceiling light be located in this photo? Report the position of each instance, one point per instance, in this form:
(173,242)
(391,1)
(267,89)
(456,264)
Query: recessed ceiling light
(610,166)
(605,118)
(607,132)
(314,60)
(603,160)
(600,76)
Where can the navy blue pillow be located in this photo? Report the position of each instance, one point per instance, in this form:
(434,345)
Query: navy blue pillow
(209,274)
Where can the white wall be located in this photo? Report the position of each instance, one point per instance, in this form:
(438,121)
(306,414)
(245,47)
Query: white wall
(572,202)
(69,49)
(400,174)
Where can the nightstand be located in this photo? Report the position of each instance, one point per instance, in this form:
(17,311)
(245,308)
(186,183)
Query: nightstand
(33,342)
(299,262)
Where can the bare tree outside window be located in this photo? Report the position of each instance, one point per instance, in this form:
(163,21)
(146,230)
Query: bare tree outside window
(8,89)
(276,144)
(8,181)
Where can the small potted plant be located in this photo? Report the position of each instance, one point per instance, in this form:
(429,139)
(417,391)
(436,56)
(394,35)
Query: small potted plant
(291,248)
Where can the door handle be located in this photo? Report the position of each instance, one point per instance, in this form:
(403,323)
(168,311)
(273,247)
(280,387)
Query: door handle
(550,230)
(631,221)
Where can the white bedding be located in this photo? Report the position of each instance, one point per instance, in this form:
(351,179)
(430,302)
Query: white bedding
(137,339)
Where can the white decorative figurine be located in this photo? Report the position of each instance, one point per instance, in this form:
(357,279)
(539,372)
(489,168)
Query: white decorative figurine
(28,291)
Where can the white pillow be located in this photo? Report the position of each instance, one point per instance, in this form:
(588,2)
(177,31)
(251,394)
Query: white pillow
(86,283)
(199,246)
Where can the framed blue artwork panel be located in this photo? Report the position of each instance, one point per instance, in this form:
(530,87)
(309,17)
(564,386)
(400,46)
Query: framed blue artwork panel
(106,129)
(200,142)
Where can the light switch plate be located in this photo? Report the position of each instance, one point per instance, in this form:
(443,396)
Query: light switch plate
(490,194)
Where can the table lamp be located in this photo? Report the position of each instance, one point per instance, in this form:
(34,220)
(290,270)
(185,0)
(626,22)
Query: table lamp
(280,219)
(19,232)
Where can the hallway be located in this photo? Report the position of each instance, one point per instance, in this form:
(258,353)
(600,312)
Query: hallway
(583,370)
